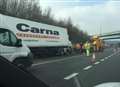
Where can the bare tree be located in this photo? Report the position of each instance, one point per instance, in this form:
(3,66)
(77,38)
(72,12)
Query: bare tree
(3,6)
(31,10)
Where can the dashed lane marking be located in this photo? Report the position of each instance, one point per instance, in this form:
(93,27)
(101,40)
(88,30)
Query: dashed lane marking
(106,57)
(96,63)
(88,67)
(71,76)
(59,60)
(53,61)
(102,60)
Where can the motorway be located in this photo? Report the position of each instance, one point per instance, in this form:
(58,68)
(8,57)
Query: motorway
(78,70)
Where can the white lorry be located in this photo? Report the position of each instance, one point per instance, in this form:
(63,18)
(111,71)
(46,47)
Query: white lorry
(42,39)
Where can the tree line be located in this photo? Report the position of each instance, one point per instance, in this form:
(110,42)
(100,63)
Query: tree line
(31,10)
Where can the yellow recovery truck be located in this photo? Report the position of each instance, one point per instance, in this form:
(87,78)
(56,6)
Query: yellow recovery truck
(98,44)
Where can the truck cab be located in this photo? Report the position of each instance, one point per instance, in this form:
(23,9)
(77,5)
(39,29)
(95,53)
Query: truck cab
(13,50)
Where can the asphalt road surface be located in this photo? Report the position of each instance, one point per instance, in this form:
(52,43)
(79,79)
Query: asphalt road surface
(79,70)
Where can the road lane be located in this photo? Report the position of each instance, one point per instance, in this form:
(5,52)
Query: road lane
(40,61)
(53,73)
(107,71)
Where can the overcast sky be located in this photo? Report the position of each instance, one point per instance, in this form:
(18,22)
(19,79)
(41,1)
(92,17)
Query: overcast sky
(93,16)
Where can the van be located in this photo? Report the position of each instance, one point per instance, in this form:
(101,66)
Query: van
(13,50)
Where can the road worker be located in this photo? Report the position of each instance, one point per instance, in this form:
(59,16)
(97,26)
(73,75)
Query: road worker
(87,48)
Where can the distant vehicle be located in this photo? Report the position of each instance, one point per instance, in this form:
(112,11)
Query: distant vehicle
(13,50)
(98,43)
(42,39)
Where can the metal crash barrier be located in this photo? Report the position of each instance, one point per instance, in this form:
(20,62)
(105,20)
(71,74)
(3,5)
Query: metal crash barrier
(12,76)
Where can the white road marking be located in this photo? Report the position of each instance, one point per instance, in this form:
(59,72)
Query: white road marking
(106,57)
(102,60)
(112,55)
(96,63)
(59,60)
(88,67)
(71,76)
(53,61)
(75,78)
(77,82)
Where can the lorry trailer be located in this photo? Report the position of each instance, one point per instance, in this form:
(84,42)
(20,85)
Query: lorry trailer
(42,39)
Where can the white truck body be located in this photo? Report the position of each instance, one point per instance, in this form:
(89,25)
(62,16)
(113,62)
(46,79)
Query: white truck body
(35,34)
